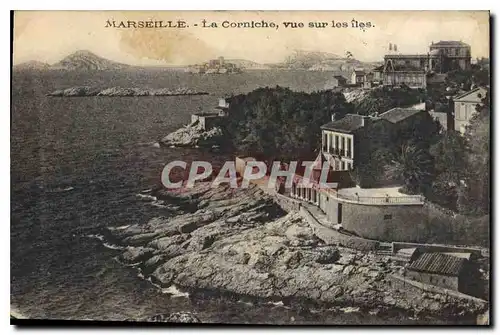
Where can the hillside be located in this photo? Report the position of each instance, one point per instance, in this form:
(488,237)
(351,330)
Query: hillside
(32,65)
(322,61)
(247,64)
(86,60)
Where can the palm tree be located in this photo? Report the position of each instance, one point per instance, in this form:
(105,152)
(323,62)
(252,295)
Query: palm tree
(414,168)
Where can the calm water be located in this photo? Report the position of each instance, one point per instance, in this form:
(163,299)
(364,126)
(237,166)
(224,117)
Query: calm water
(77,165)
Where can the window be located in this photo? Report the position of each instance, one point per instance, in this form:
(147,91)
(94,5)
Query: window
(343,165)
(348,147)
(387,216)
(479,95)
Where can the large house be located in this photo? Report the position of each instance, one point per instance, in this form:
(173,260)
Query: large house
(465,107)
(454,55)
(412,70)
(344,140)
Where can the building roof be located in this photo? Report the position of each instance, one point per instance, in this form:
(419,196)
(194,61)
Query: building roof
(435,52)
(339,77)
(378,68)
(407,251)
(359,72)
(449,44)
(347,124)
(466,94)
(398,114)
(400,56)
(438,263)
(465,255)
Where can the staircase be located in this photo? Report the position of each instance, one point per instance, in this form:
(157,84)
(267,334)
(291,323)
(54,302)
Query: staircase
(384,248)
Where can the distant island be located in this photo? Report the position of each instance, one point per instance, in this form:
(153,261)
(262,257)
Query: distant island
(81,60)
(214,66)
(84,60)
(87,91)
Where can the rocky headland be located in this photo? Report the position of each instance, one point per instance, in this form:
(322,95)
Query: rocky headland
(240,242)
(87,91)
(194,135)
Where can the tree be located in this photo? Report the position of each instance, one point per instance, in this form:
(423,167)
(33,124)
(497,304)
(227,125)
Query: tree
(450,164)
(474,197)
(381,99)
(450,154)
(414,166)
(278,123)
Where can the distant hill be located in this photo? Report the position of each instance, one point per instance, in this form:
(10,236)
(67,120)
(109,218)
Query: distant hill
(323,61)
(247,64)
(301,59)
(86,60)
(32,65)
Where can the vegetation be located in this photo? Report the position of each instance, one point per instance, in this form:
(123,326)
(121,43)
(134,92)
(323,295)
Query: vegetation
(414,166)
(449,169)
(383,98)
(282,124)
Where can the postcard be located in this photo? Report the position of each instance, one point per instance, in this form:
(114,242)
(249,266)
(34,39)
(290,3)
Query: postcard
(250,167)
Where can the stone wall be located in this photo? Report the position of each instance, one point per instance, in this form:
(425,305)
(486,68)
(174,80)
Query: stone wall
(286,203)
(448,282)
(384,222)
(405,284)
(331,236)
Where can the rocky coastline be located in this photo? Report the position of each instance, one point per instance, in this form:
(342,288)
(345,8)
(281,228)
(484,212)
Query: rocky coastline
(194,135)
(240,243)
(87,91)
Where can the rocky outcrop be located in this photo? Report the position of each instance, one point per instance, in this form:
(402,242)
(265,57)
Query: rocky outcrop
(240,241)
(194,135)
(85,91)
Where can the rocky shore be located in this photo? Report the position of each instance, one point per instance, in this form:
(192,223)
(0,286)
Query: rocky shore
(87,91)
(194,135)
(240,242)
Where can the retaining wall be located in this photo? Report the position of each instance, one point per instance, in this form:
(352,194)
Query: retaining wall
(405,284)
(383,222)
(331,236)
(286,203)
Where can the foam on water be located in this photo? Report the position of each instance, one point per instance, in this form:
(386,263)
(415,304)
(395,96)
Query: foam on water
(350,309)
(146,196)
(175,292)
(105,244)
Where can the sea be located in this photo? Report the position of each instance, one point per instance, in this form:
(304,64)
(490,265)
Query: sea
(78,165)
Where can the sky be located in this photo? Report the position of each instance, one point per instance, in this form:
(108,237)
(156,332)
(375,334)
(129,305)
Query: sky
(49,36)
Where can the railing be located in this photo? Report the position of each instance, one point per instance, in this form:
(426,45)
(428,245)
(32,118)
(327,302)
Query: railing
(417,199)
(387,200)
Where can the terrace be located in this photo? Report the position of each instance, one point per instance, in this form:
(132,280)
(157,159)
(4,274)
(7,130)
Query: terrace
(378,196)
